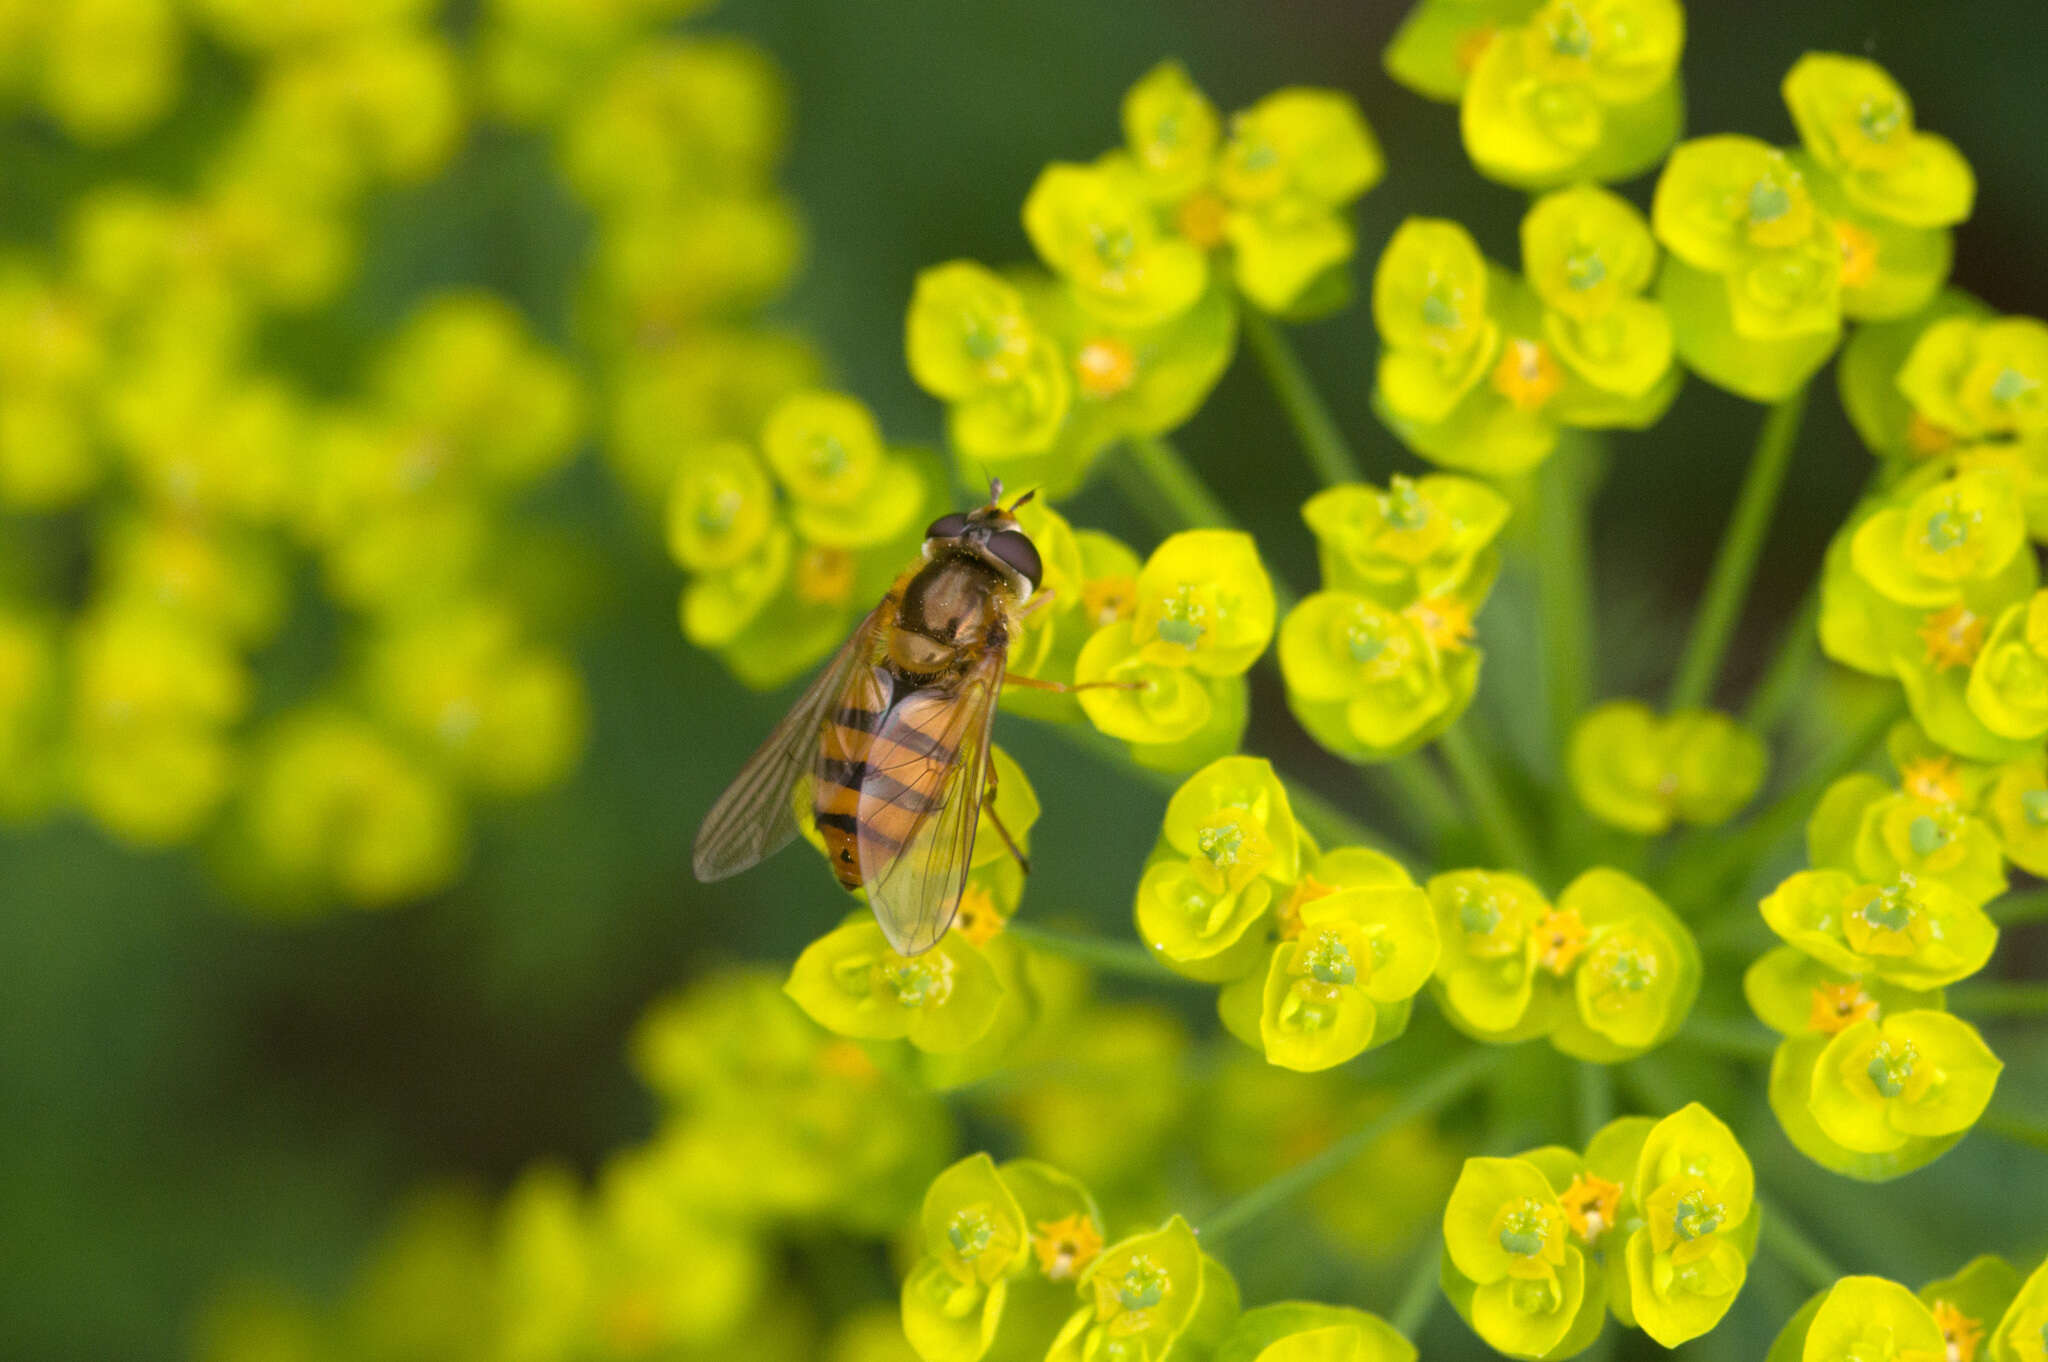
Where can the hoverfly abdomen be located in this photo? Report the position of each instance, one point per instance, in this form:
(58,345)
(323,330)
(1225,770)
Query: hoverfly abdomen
(875,788)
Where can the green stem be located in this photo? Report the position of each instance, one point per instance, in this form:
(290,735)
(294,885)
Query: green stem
(1313,425)
(1124,958)
(1169,489)
(1332,827)
(2000,998)
(1419,1296)
(1421,791)
(1712,860)
(1593,1087)
(2008,1125)
(2029,905)
(1327,823)
(1790,1246)
(1507,839)
(1729,1038)
(1434,1093)
(1564,586)
(1797,651)
(1735,562)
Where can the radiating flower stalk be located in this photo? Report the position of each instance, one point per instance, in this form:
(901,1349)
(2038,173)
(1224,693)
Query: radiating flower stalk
(1575,900)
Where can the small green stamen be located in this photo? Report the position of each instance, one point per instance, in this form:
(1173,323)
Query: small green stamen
(1769,200)
(1330,962)
(1926,836)
(1890,1066)
(970,1232)
(1697,1216)
(1584,268)
(1144,1285)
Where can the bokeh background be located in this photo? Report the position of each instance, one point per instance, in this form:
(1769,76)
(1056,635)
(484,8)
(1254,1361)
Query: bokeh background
(192,1092)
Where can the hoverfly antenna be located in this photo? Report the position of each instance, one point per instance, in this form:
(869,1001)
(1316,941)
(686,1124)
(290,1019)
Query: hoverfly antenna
(995,491)
(1021,500)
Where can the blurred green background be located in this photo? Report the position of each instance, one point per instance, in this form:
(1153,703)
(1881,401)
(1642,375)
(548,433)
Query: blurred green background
(186,1094)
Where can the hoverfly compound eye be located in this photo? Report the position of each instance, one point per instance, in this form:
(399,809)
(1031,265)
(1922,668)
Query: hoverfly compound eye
(950,526)
(1017,552)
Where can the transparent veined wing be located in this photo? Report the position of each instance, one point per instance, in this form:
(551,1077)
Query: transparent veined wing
(927,770)
(756,816)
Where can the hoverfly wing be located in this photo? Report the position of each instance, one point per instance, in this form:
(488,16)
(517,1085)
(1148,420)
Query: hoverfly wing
(756,816)
(927,770)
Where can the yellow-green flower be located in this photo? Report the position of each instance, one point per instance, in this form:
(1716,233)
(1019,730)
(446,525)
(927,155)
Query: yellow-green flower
(1919,935)
(1489,970)
(1093,225)
(1642,773)
(1868,1319)
(1884,1081)
(1416,539)
(1304,1331)
(2022,1335)
(1585,89)
(1858,124)
(850,981)
(1689,1259)
(1354,951)
(1510,1266)
(1152,1295)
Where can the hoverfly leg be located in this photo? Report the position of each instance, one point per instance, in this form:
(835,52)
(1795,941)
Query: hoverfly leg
(1039,600)
(988,806)
(1069,687)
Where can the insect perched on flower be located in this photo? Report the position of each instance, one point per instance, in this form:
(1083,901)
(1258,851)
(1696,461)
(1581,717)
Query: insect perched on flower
(894,733)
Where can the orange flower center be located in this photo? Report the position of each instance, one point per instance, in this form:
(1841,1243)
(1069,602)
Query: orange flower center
(1445,620)
(1308,891)
(1527,376)
(1590,1206)
(1065,1247)
(1837,1007)
(1560,940)
(1106,367)
(1925,438)
(1934,779)
(844,1059)
(1109,599)
(1859,254)
(978,920)
(1201,218)
(1471,45)
(1953,637)
(1961,1333)
(824,576)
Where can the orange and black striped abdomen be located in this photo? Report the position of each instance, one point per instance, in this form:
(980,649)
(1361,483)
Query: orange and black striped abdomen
(882,768)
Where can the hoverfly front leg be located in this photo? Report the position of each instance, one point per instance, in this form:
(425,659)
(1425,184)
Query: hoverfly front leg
(1068,687)
(1031,607)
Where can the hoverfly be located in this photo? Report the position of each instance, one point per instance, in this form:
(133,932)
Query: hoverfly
(894,733)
